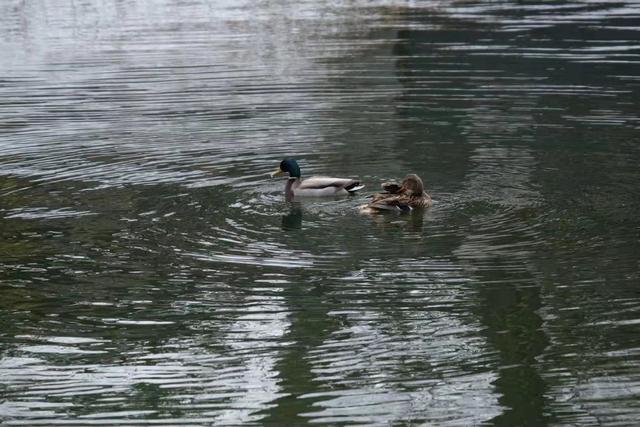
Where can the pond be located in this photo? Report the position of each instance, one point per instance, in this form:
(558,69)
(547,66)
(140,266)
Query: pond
(152,273)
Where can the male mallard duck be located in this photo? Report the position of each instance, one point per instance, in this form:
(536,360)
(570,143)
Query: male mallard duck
(404,197)
(314,186)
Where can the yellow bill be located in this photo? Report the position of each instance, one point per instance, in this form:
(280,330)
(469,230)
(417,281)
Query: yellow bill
(277,172)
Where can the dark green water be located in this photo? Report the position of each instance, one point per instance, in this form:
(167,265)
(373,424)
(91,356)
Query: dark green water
(151,272)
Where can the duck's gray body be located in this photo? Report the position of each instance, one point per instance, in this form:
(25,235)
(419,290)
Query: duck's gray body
(321,186)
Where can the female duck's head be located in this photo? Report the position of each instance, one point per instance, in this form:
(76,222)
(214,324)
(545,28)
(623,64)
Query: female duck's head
(413,184)
(287,166)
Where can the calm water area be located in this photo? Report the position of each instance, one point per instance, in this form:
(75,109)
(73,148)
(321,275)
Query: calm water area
(152,273)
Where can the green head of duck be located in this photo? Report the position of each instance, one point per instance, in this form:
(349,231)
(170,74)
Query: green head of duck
(287,166)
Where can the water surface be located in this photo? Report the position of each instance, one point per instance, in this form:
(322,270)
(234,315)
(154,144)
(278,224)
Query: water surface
(152,273)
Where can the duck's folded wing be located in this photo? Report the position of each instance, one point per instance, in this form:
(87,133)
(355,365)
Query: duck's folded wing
(320,182)
(390,203)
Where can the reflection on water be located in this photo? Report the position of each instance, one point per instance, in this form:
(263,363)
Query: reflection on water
(152,273)
(293,219)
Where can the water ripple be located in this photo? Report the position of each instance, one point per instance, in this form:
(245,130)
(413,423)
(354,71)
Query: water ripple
(152,273)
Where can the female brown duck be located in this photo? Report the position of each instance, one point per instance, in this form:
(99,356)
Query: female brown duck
(407,196)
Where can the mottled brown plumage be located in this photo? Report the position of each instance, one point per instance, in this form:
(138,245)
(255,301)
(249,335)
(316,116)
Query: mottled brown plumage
(405,197)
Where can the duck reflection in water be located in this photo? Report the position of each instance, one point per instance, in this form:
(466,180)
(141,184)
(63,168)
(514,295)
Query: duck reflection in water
(412,221)
(293,219)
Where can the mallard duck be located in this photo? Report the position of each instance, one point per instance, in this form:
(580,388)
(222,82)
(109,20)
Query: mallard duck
(315,186)
(404,197)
